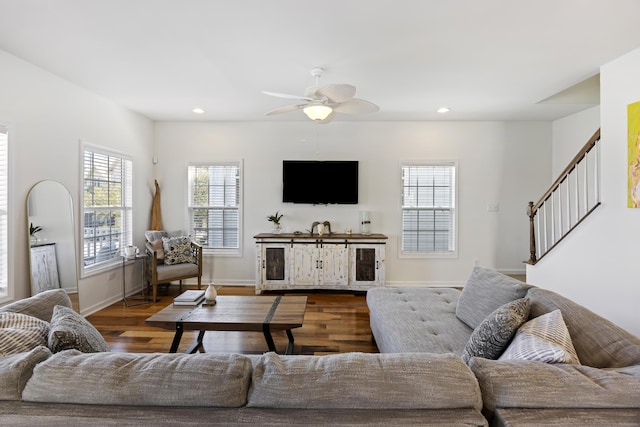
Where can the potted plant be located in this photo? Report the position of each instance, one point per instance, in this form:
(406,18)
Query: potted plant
(32,233)
(277,227)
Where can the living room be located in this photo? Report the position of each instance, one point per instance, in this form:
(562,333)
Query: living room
(501,162)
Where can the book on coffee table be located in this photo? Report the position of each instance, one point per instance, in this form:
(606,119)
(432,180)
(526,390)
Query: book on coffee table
(190,297)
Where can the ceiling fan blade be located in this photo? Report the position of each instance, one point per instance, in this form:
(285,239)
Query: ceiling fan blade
(327,119)
(337,93)
(285,96)
(285,109)
(356,106)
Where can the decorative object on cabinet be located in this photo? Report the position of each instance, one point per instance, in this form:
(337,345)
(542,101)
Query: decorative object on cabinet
(336,261)
(33,239)
(277,227)
(365,222)
(320,228)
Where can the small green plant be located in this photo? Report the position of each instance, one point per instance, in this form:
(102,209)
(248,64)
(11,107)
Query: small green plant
(275,218)
(33,230)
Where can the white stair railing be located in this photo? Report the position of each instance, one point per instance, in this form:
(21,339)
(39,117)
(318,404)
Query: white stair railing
(569,200)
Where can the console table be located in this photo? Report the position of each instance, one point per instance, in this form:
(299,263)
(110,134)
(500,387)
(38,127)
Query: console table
(331,261)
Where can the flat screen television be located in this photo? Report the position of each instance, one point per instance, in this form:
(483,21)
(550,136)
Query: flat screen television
(320,182)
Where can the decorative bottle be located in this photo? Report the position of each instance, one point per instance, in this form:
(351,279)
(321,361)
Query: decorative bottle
(210,294)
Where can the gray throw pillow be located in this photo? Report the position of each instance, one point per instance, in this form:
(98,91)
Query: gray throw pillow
(20,333)
(491,337)
(543,339)
(485,291)
(69,330)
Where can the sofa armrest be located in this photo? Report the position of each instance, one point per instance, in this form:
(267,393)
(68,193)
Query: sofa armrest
(525,384)
(40,305)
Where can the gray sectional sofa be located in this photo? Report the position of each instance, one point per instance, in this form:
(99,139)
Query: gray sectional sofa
(604,389)
(38,387)
(435,368)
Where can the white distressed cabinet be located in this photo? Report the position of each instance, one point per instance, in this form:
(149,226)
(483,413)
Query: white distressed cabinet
(336,261)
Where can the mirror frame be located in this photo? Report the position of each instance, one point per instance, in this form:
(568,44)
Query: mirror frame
(66,250)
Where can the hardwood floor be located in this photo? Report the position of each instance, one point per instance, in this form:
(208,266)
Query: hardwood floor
(334,322)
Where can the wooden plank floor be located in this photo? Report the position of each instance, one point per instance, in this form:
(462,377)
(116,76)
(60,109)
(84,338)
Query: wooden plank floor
(334,322)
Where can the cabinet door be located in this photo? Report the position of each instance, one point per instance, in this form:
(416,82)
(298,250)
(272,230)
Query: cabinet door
(365,264)
(275,264)
(306,265)
(44,268)
(335,264)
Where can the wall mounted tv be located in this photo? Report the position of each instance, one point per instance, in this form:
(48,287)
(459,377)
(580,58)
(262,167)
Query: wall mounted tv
(320,182)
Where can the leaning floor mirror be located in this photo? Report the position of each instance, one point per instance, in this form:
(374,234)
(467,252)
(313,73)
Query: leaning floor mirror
(52,241)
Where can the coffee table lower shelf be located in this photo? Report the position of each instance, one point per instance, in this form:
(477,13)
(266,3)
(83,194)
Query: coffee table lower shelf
(234,313)
(199,346)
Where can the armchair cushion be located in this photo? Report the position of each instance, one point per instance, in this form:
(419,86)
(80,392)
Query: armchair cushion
(177,250)
(170,272)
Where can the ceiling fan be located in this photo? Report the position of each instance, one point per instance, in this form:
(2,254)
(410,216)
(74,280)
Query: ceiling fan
(322,103)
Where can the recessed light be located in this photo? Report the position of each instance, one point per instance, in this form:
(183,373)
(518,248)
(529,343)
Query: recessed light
(198,110)
(443,110)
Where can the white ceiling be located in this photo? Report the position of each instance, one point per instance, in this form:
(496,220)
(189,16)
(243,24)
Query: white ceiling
(485,59)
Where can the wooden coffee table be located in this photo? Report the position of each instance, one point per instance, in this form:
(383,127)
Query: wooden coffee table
(258,313)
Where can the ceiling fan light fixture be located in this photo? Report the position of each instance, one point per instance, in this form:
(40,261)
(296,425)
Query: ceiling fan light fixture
(317,112)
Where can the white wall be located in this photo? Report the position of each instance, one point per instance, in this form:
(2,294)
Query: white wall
(47,117)
(597,264)
(505,163)
(570,134)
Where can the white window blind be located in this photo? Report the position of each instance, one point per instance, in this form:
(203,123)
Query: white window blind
(107,206)
(214,205)
(4,211)
(428,208)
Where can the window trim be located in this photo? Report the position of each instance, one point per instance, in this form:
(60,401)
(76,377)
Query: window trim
(226,252)
(436,254)
(11,223)
(115,262)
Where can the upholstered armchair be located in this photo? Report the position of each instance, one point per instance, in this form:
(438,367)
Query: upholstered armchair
(170,259)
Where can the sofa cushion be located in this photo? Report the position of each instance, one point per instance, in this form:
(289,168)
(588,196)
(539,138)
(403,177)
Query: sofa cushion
(361,380)
(491,337)
(485,291)
(524,384)
(40,305)
(543,339)
(416,320)
(16,369)
(20,332)
(141,379)
(177,250)
(598,342)
(69,330)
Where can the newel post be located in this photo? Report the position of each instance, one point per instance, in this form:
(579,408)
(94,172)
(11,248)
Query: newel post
(532,235)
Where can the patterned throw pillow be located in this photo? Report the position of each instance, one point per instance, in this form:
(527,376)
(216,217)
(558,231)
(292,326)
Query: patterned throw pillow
(491,337)
(69,330)
(177,250)
(20,333)
(543,339)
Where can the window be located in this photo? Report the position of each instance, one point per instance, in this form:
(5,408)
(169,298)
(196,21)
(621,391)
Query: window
(4,211)
(428,208)
(107,211)
(215,207)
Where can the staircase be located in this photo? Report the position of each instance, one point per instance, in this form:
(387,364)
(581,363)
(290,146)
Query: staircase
(569,200)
